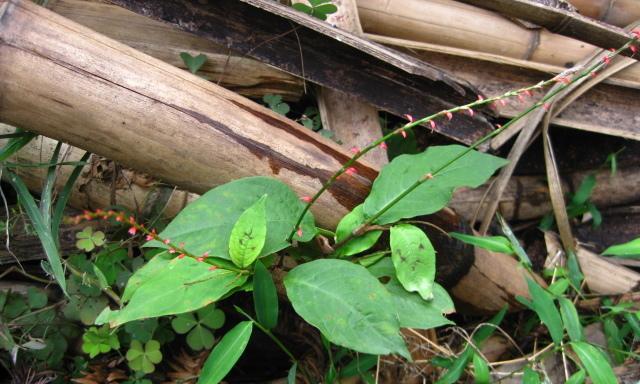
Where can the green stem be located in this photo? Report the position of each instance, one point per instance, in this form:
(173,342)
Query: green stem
(479,142)
(268,333)
(107,290)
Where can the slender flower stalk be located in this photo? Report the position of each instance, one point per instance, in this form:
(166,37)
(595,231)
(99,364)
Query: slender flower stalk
(565,80)
(135,228)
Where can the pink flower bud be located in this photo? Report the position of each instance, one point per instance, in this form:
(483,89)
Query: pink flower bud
(166,241)
(408,117)
(306,199)
(449,115)
(213,268)
(351,171)
(383,145)
(299,232)
(355,150)
(132,231)
(181,256)
(433,124)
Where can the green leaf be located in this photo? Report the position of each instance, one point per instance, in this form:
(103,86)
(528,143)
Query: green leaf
(323,10)
(359,365)
(291,377)
(576,378)
(515,244)
(102,280)
(594,362)
(200,338)
(457,368)
(570,319)
(226,353)
(411,309)
(183,323)
(43,232)
(211,316)
(347,304)
(346,226)
(14,144)
(143,359)
(142,330)
(249,234)
(36,298)
(530,376)
(178,286)
(206,224)
(471,170)
(559,287)
(614,340)
(302,8)
(584,190)
(414,258)
(481,373)
(99,340)
(493,243)
(265,297)
(193,63)
(626,250)
(543,305)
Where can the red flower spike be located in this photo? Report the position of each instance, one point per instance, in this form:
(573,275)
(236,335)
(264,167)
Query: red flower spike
(306,199)
(119,218)
(449,115)
(132,231)
(408,117)
(213,268)
(166,241)
(351,171)
(200,259)
(606,60)
(181,256)
(149,237)
(132,220)
(546,107)
(528,92)
(383,145)
(206,254)
(171,250)
(480,98)
(433,124)
(470,111)
(633,49)
(355,150)
(502,102)
(299,232)
(403,133)
(498,126)
(593,74)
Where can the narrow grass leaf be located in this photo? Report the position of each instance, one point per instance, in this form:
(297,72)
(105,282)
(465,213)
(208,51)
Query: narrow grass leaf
(265,297)
(43,232)
(63,197)
(226,353)
(492,243)
(571,319)
(14,144)
(481,373)
(577,378)
(46,197)
(594,362)
(626,250)
(544,306)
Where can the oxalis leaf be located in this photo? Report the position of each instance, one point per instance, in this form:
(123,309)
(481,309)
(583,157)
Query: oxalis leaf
(414,259)
(171,287)
(205,225)
(249,234)
(471,170)
(347,304)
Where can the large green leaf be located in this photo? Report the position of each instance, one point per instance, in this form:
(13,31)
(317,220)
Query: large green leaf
(347,304)
(594,362)
(414,259)
(471,170)
(174,286)
(205,225)
(249,234)
(411,309)
(265,297)
(346,226)
(226,354)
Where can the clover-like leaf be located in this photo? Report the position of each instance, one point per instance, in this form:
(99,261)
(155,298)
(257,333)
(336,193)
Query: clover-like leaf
(88,240)
(198,325)
(194,63)
(36,298)
(99,340)
(144,358)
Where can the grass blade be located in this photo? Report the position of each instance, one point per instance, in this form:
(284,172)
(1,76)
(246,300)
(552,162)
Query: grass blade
(44,233)
(16,143)
(46,197)
(64,196)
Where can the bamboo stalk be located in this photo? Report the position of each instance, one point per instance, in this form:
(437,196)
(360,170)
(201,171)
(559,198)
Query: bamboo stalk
(162,41)
(452,24)
(614,12)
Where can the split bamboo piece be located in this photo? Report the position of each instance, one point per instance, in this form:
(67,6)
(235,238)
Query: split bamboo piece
(614,12)
(354,123)
(224,67)
(453,24)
